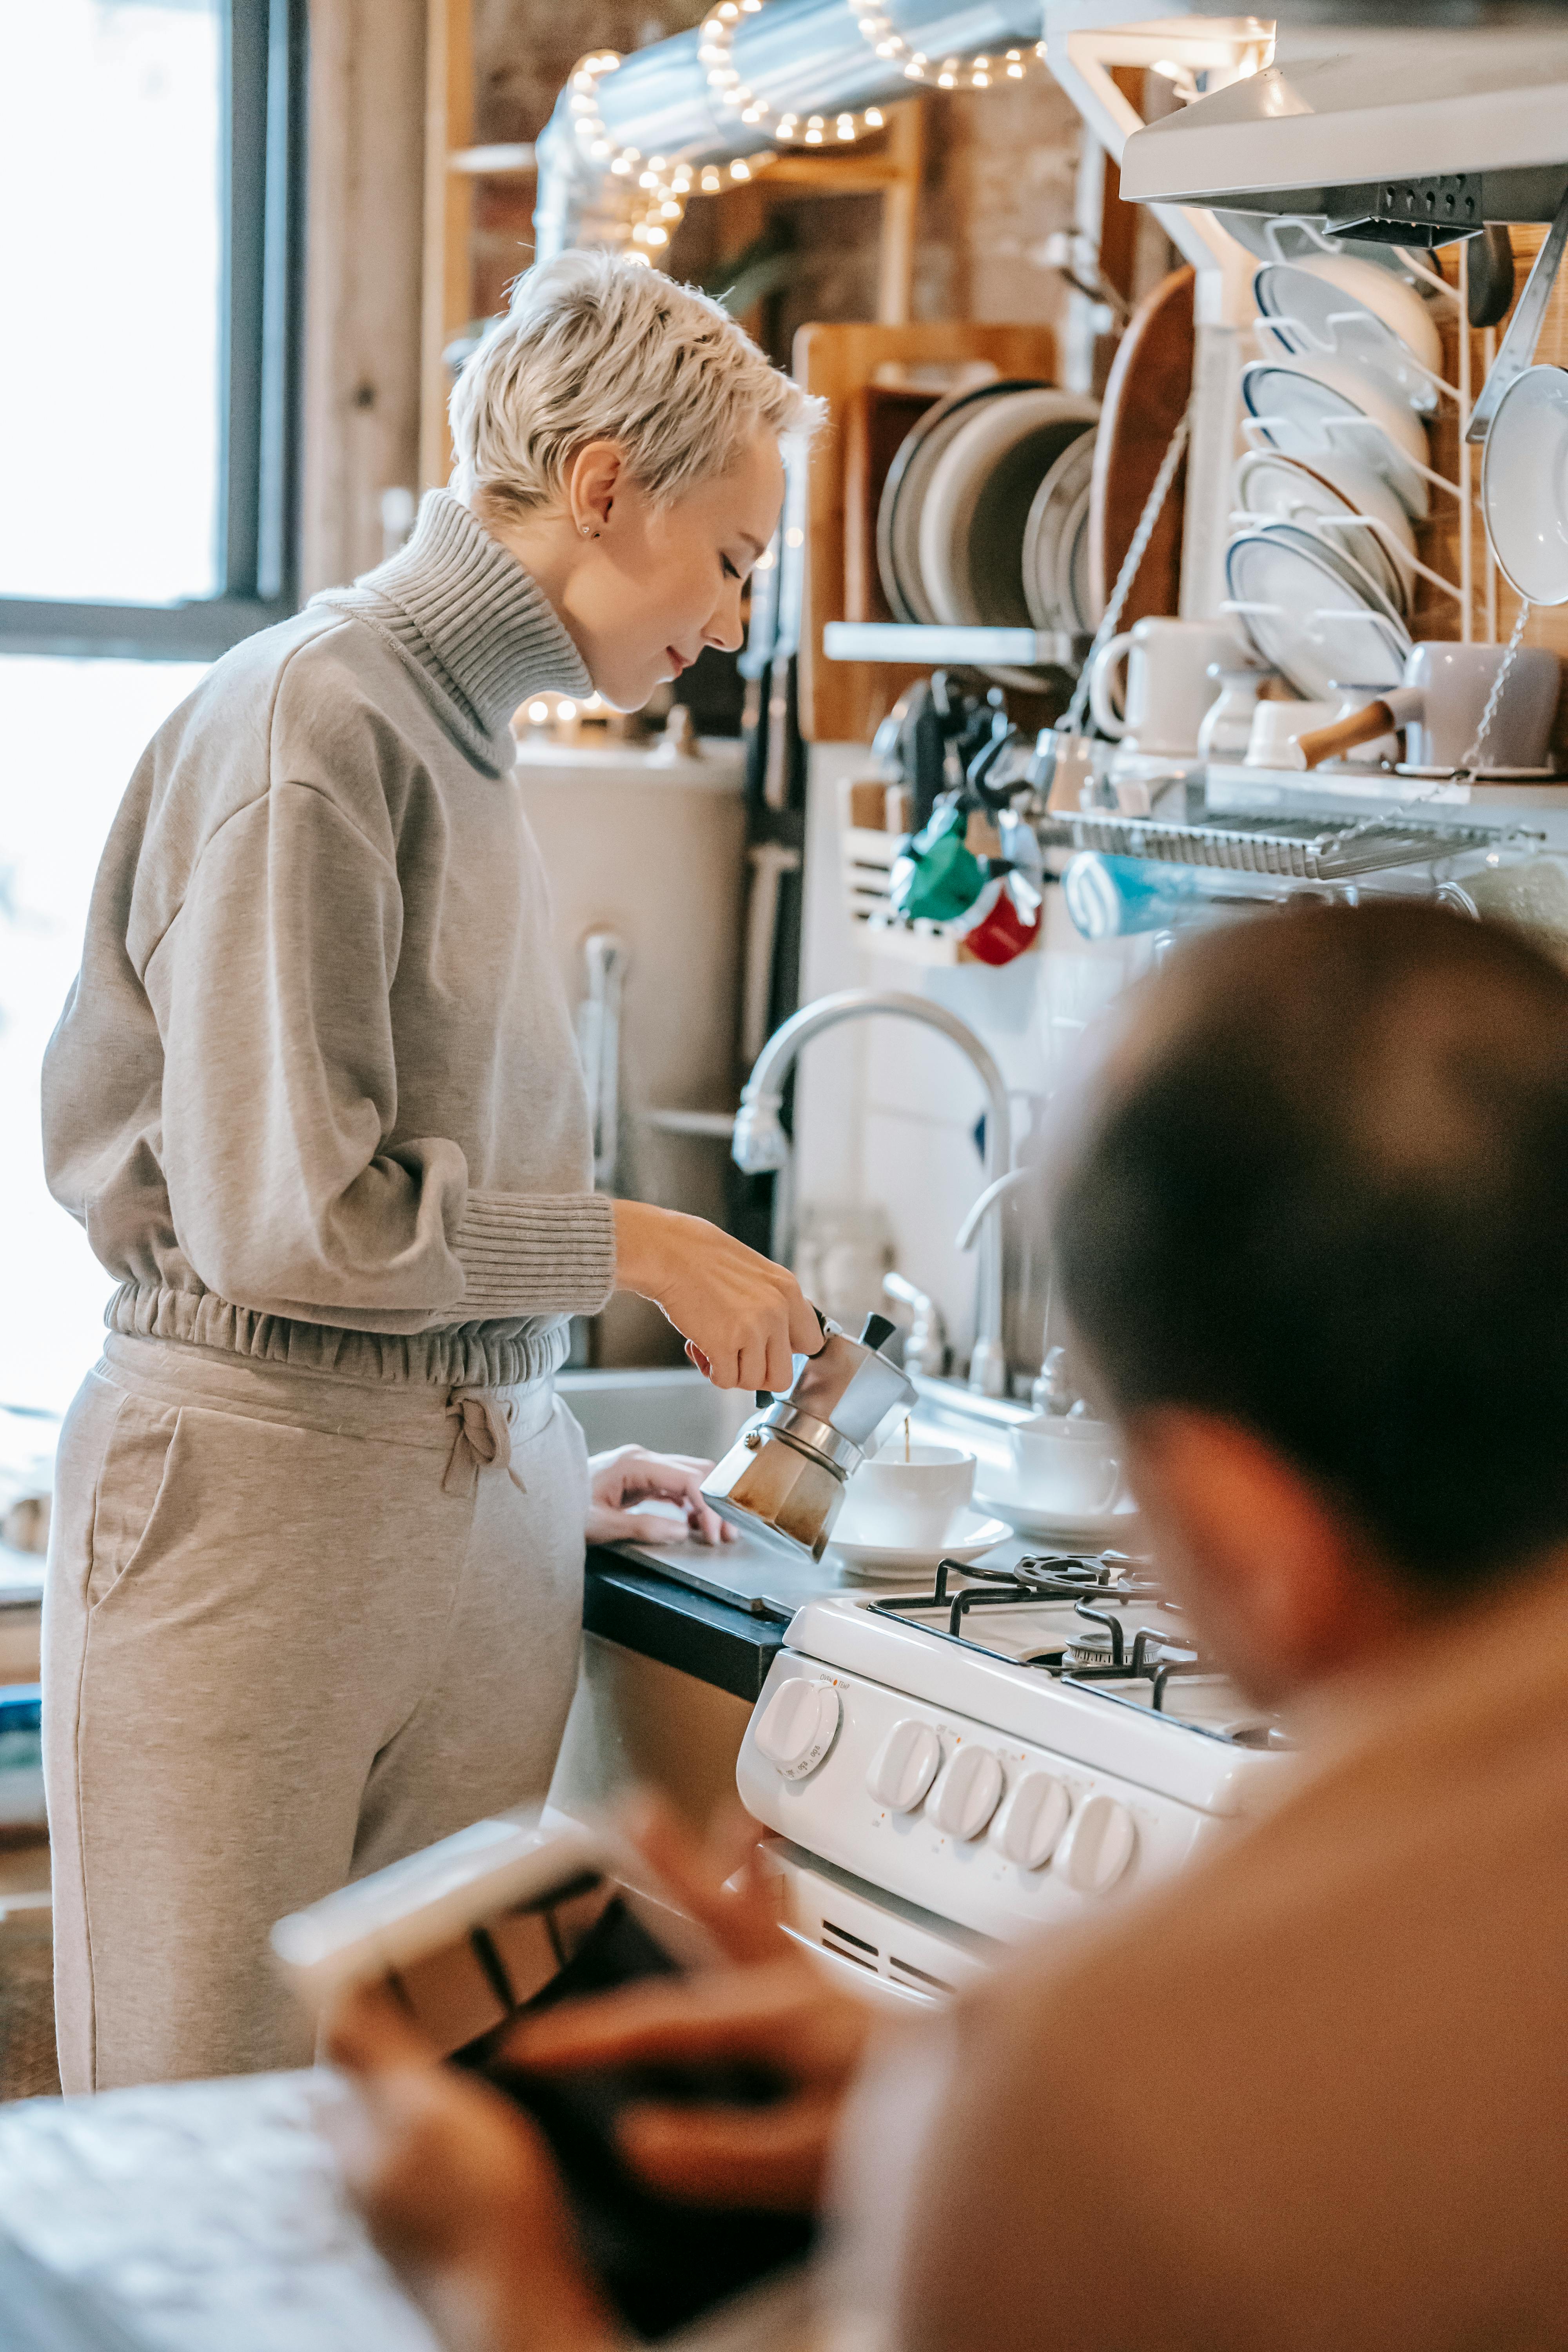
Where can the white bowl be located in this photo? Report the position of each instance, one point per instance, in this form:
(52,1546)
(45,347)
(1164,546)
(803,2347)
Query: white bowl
(913,1504)
(1066,1463)
(1373,321)
(1524,485)
(1313,408)
(1031,430)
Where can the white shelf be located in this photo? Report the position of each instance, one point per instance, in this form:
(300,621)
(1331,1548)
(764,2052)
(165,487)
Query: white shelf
(899,641)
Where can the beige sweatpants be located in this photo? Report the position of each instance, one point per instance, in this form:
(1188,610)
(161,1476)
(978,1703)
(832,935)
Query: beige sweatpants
(296,1626)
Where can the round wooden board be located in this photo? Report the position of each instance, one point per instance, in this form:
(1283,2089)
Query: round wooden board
(1150,383)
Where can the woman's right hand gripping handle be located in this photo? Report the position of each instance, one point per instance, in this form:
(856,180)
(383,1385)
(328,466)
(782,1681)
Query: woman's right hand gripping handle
(743,1317)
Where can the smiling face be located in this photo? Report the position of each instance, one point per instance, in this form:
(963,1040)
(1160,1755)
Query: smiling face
(653,584)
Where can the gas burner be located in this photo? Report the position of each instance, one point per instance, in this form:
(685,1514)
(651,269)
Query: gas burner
(1157,1668)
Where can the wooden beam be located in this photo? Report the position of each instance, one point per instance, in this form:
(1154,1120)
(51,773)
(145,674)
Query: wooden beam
(900,211)
(836,175)
(448,214)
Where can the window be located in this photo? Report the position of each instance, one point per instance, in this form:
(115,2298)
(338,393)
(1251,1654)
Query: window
(150,193)
(150,221)
(72,731)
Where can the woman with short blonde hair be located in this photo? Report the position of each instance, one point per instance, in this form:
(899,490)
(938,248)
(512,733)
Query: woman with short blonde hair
(315,1589)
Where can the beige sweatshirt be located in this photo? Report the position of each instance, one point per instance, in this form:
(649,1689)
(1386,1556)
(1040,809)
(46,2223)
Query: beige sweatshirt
(314,1094)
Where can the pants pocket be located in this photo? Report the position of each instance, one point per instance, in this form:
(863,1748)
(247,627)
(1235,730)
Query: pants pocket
(132,1492)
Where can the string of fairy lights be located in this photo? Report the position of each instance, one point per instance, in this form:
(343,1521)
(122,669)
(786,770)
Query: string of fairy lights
(658,187)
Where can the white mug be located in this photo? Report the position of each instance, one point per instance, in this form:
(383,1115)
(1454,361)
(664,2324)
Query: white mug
(913,1501)
(1067,1462)
(1168,684)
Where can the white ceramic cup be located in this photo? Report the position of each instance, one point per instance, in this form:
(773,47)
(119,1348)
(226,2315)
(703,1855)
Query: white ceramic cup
(1454,682)
(1067,1462)
(1168,684)
(1226,727)
(914,1503)
(1275,725)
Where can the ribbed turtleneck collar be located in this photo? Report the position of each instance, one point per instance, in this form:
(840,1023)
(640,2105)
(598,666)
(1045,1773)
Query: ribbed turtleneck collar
(478,633)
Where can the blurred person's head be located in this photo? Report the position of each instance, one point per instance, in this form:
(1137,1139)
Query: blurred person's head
(1315,1245)
(621,434)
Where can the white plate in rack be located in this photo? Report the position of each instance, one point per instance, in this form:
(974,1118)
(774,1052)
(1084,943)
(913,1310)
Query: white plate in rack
(1312,614)
(1328,498)
(1349,310)
(1322,409)
(976,1535)
(1030,1516)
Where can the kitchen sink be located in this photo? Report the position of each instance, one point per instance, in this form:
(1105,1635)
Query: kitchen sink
(670,1411)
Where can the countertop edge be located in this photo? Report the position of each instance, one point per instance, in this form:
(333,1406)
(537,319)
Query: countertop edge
(629,1599)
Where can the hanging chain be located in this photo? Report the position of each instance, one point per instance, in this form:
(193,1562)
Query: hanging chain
(1110,618)
(1471,760)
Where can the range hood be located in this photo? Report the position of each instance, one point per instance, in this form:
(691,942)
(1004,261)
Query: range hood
(1417,134)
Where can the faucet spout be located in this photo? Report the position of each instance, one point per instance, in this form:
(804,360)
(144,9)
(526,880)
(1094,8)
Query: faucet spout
(759,1143)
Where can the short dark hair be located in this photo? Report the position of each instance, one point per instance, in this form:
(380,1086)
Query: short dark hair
(1325,1195)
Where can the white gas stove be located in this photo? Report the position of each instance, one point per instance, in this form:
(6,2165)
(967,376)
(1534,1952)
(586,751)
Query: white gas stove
(950,1770)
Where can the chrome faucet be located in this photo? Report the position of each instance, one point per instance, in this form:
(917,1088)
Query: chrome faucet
(760,1147)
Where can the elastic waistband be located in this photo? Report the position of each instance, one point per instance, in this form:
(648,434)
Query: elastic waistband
(466,1355)
(425,1416)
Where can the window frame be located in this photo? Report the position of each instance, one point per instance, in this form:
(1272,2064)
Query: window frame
(263,195)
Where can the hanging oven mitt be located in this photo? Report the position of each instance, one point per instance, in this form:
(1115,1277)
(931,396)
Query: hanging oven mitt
(937,878)
(1004,920)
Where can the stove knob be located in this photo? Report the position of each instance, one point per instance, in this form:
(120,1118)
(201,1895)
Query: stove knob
(1100,1847)
(796,1728)
(904,1766)
(970,1794)
(1036,1820)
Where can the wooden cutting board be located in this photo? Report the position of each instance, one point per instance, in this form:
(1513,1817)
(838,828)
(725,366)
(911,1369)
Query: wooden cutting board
(1150,383)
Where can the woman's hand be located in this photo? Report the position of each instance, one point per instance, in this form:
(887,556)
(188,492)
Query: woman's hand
(629,1475)
(776,2007)
(461,2194)
(743,1317)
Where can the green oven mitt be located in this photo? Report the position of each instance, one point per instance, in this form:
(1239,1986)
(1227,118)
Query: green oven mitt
(937,877)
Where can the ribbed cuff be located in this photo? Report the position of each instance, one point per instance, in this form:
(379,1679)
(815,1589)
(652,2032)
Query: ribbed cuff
(535,1254)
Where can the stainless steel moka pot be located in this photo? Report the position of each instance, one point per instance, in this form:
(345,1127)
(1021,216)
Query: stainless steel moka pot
(783,1479)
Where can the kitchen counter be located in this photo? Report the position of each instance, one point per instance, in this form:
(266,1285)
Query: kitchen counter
(629,1597)
(717,1611)
(722,1613)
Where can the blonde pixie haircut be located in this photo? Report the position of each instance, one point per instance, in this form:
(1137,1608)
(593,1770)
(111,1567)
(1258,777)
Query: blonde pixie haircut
(595,348)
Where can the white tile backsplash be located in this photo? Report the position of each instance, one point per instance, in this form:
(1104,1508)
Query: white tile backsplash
(884,1110)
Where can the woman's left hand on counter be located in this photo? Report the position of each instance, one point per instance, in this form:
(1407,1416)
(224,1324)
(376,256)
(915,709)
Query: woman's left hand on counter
(626,1476)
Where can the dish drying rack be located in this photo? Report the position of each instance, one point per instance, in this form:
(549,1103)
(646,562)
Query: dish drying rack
(1308,848)
(1271,335)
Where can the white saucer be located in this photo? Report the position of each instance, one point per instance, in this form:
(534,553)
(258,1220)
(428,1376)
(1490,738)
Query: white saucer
(976,1535)
(1029,1517)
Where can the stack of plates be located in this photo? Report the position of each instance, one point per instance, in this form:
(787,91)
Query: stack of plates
(983,516)
(1322,563)
(1313,614)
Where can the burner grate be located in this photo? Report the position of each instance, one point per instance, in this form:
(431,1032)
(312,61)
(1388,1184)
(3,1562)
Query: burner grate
(1157,1659)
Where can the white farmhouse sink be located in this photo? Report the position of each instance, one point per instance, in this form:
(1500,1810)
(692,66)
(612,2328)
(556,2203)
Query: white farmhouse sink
(673,1410)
